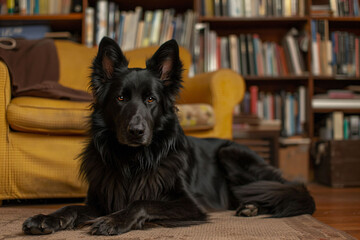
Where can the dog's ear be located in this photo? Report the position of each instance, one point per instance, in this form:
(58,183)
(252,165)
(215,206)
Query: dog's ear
(110,57)
(166,64)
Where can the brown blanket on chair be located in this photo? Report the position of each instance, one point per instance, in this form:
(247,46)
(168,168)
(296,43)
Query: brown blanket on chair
(34,71)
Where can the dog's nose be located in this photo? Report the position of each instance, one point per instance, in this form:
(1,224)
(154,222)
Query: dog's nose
(136,127)
(136,130)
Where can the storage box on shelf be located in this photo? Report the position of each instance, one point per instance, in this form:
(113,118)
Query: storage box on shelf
(337,164)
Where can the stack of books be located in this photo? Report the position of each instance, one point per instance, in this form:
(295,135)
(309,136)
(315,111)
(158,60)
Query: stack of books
(337,99)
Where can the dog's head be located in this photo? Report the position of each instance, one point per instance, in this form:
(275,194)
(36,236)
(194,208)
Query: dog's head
(134,102)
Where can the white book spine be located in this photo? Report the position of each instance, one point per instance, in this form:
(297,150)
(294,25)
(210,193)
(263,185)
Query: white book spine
(23,6)
(155,32)
(338,125)
(294,56)
(101,16)
(89,27)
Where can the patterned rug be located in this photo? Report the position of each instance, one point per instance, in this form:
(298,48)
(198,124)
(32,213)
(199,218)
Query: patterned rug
(222,225)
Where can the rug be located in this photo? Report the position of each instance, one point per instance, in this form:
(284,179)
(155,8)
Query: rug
(222,225)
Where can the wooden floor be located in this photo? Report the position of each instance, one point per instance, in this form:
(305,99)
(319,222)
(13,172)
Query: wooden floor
(339,208)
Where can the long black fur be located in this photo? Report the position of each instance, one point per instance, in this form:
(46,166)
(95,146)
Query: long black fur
(141,168)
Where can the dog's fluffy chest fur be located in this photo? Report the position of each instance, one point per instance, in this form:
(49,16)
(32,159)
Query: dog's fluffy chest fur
(132,181)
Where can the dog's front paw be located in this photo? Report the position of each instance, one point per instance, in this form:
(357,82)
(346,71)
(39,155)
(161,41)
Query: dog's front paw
(109,225)
(42,224)
(247,210)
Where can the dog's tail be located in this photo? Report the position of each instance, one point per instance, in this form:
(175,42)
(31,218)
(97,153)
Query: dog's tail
(277,199)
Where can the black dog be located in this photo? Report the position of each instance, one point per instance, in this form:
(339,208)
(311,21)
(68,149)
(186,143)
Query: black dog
(142,168)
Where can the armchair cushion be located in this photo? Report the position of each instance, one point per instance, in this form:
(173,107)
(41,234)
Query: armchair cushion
(61,117)
(48,116)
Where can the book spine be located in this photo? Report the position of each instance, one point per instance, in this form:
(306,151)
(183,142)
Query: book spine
(89,26)
(234,53)
(101,20)
(10,6)
(338,125)
(357,57)
(254,90)
(314,49)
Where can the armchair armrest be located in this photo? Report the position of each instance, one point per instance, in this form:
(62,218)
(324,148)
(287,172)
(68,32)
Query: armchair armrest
(4,127)
(223,89)
(5,97)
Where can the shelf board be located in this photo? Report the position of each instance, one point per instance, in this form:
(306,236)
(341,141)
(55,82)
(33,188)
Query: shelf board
(230,23)
(252,19)
(336,19)
(330,110)
(276,78)
(45,17)
(336,78)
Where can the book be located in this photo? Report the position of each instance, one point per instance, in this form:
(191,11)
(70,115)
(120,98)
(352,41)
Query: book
(147,28)
(243,55)
(102,7)
(338,125)
(89,26)
(302,108)
(224,50)
(250,55)
(156,24)
(254,99)
(354,127)
(314,49)
(23,7)
(234,53)
(295,57)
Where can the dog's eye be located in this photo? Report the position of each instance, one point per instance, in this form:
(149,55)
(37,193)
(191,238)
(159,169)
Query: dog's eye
(150,100)
(120,98)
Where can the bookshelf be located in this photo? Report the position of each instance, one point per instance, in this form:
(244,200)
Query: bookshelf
(273,29)
(268,28)
(72,22)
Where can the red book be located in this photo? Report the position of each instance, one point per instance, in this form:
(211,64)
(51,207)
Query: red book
(283,61)
(278,60)
(254,90)
(271,107)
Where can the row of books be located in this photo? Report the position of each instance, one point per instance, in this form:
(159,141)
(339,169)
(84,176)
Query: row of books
(339,126)
(252,8)
(344,8)
(247,54)
(25,7)
(287,108)
(134,29)
(335,53)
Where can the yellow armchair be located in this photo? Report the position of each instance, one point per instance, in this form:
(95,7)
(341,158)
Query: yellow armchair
(38,156)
